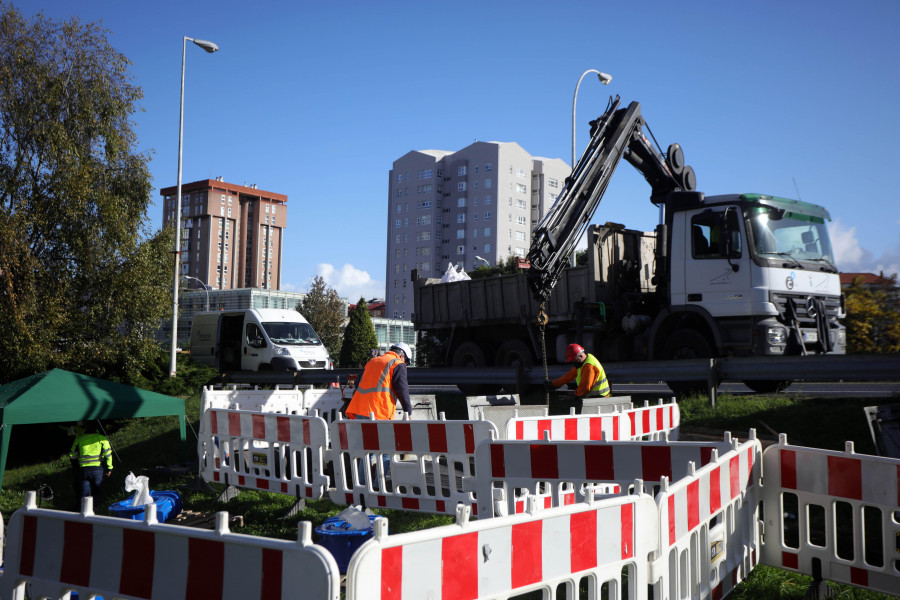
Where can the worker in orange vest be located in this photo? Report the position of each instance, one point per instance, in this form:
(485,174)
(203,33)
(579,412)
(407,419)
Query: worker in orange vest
(588,374)
(383,383)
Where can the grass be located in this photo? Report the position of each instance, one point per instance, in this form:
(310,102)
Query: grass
(142,445)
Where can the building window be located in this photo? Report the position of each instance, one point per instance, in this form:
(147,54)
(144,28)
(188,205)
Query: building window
(460,234)
(521,204)
(461,171)
(520,220)
(460,250)
(520,236)
(487,248)
(487,200)
(487,216)
(461,218)
(487,232)
(426,174)
(461,186)
(487,184)
(521,173)
(521,188)
(488,167)
(461,202)
(397,223)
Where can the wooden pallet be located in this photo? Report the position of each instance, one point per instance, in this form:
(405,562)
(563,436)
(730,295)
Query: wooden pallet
(190,518)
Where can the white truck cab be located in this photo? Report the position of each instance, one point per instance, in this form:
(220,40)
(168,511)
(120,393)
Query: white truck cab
(257,339)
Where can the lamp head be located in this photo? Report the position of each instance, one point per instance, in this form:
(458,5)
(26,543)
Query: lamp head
(208,46)
(604,78)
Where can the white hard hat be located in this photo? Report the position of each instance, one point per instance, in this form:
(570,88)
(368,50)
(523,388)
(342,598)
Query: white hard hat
(405,348)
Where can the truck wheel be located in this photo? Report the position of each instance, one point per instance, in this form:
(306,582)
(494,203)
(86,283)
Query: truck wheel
(470,355)
(515,353)
(768,386)
(687,344)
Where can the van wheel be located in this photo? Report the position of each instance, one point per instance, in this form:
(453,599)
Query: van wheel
(470,355)
(687,344)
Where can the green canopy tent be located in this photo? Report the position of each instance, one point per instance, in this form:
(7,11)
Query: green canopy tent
(59,396)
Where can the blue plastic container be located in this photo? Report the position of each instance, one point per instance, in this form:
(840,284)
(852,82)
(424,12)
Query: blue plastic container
(342,542)
(168,505)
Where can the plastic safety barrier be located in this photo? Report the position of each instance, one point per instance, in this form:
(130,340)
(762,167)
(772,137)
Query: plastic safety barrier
(409,465)
(52,553)
(267,451)
(708,525)
(647,422)
(292,401)
(597,545)
(563,472)
(832,515)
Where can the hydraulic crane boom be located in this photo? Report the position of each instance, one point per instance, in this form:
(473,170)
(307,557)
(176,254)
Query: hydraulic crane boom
(616,134)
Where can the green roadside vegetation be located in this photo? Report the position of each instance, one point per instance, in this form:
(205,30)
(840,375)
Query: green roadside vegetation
(143,445)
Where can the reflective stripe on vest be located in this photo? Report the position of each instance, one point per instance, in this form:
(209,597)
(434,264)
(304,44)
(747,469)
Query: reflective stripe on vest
(601,385)
(92,450)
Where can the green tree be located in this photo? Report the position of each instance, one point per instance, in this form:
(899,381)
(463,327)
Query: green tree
(873,318)
(82,285)
(359,337)
(324,310)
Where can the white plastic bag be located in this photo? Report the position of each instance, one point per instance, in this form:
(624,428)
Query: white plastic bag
(356,519)
(141,487)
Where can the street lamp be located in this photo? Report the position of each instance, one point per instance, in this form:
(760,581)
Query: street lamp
(604,79)
(209,47)
(486,263)
(205,287)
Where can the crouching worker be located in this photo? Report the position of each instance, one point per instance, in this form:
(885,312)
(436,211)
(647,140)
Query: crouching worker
(588,373)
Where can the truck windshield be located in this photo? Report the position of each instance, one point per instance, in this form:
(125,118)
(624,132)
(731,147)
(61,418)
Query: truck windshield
(779,234)
(291,334)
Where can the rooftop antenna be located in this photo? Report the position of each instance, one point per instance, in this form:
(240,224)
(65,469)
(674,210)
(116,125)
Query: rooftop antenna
(796,187)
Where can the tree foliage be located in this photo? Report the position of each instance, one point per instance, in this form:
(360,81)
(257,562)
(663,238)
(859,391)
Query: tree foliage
(82,285)
(873,318)
(506,267)
(324,310)
(359,337)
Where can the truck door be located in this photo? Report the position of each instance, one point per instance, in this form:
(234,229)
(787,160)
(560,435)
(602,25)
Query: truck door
(717,266)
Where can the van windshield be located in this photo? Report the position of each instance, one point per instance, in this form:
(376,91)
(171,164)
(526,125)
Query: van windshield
(291,334)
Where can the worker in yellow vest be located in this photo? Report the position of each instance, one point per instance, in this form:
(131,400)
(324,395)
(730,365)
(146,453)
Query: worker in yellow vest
(92,455)
(588,373)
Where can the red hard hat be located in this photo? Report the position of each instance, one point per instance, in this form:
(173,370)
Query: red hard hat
(573,350)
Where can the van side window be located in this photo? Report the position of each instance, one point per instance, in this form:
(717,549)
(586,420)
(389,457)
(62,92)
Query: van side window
(255,337)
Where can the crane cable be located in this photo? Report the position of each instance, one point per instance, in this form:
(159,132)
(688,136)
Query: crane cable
(542,324)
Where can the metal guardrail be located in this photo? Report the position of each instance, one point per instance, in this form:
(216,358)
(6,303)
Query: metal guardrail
(851,368)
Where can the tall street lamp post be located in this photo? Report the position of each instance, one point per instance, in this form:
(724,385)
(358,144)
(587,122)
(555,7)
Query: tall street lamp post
(604,79)
(209,47)
(205,287)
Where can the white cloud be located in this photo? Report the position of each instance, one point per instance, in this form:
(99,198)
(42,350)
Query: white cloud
(851,257)
(350,282)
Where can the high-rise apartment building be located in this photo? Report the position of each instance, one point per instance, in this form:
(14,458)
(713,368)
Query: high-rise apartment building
(480,202)
(232,235)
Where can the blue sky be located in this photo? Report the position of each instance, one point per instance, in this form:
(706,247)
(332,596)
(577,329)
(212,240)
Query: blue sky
(317,99)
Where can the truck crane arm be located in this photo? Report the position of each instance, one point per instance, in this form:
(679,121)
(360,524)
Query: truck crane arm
(616,134)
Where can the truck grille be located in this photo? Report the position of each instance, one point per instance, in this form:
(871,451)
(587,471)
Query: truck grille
(803,304)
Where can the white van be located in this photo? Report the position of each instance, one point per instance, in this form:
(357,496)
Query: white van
(257,339)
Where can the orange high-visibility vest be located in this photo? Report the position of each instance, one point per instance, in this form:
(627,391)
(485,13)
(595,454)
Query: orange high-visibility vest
(374,393)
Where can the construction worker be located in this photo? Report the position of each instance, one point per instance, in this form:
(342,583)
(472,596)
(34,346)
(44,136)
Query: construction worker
(91,451)
(588,374)
(382,384)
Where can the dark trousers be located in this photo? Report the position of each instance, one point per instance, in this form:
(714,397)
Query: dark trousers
(90,480)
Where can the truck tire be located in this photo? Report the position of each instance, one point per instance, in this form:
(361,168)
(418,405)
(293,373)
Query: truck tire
(687,344)
(768,386)
(470,355)
(515,353)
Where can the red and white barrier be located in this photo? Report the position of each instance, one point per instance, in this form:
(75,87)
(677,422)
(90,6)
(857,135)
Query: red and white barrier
(428,462)
(586,544)
(650,423)
(267,451)
(52,553)
(832,515)
(654,422)
(709,535)
(559,473)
